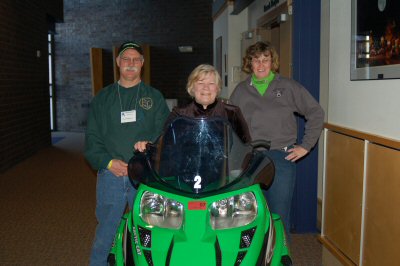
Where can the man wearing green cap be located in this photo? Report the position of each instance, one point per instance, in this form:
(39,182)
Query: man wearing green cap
(120,115)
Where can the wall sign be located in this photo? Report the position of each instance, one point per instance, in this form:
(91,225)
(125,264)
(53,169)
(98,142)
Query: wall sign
(270,4)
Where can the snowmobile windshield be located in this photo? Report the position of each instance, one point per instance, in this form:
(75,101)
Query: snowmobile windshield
(197,156)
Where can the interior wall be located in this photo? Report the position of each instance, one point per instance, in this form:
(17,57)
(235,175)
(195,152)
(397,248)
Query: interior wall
(306,68)
(256,10)
(231,48)
(24,84)
(371,106)
(238,25)
(163,25)
(220,26)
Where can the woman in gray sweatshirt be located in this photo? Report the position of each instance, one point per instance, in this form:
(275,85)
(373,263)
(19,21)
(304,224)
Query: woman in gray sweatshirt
(269,103)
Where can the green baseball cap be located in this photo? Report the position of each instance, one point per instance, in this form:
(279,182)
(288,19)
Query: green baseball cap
(129,45)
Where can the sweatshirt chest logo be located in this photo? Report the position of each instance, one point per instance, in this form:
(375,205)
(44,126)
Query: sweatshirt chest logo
(277,93)
(146,103)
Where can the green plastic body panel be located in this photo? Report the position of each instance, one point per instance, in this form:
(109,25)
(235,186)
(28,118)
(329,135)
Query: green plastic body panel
(195,242)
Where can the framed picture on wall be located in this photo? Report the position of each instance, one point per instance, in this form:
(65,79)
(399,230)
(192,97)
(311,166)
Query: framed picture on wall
(375,39)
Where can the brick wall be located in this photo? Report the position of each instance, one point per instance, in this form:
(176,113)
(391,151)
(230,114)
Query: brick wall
(164,25)
(24,97)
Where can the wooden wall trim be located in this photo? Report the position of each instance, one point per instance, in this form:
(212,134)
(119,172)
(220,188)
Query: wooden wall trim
(391,143)
(335,252)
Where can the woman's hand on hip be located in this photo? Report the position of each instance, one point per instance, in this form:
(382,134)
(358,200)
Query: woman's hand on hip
(295,153)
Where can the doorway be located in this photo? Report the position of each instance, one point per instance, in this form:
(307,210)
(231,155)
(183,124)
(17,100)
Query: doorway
(278,27)
(50,52)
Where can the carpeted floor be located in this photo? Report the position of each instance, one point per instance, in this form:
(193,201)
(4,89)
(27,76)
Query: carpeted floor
(47,208)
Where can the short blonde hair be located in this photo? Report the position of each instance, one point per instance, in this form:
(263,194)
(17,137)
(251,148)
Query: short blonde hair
(199,72)
(258,49)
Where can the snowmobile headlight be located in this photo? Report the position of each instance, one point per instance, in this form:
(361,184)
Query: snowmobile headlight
(234,211)
(161,211)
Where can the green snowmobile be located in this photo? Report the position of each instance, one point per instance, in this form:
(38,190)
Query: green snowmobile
(200,201)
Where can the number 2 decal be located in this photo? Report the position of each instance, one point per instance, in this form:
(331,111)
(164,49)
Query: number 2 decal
(197,179)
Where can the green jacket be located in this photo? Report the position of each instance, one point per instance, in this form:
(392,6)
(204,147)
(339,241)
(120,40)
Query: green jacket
(107,138)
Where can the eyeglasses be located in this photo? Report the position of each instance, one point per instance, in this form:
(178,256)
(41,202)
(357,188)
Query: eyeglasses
(263,61)
(135,60)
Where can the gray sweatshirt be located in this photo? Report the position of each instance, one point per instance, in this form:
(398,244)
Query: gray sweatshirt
(272,116)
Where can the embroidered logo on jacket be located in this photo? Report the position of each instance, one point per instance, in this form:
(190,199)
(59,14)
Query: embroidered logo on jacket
(146,103)
(277,93)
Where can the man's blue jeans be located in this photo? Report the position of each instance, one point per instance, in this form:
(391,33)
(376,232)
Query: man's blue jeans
(113,193)
(279,195)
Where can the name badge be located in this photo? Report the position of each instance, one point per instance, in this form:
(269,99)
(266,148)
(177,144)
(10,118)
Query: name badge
(128,116)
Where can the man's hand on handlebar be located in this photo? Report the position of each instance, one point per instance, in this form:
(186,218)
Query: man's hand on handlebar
(140,146)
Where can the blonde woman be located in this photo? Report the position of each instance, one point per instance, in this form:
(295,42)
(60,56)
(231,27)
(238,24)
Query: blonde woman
(204,85)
